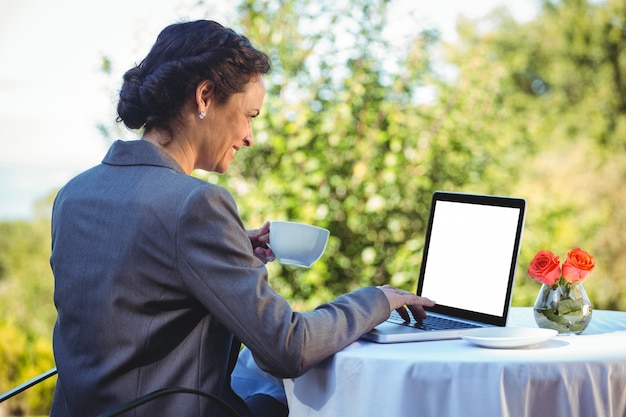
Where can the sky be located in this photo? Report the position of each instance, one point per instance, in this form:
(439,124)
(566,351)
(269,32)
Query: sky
(53,93)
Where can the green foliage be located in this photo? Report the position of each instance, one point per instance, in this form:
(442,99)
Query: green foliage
(343,143)
(535,110)
(561,88)
(26,313)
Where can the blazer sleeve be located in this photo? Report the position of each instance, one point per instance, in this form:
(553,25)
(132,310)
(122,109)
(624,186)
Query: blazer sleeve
(218,267)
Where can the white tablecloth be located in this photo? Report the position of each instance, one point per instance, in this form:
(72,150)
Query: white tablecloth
(574,376)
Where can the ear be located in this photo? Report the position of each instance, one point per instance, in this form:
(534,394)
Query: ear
(204,95)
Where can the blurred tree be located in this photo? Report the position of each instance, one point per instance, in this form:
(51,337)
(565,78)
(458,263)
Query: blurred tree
(345,143)
(557,83)
(336,143)
(26,311)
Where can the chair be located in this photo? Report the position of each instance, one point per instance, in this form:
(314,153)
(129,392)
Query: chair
(130,405)
(23,387)
(168,391)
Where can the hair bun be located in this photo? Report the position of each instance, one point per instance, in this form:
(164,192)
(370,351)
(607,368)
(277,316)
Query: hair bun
(130,109)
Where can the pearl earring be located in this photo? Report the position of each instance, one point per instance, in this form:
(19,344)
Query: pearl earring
(202,115)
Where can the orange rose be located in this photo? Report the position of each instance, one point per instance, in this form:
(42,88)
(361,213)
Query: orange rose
(545,268)
(578,265)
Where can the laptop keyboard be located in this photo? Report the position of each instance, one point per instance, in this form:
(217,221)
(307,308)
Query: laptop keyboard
(430,323)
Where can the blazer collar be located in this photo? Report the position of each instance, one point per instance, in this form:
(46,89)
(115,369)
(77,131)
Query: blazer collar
(139,152)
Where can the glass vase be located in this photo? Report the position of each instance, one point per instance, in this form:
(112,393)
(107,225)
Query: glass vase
(563,307)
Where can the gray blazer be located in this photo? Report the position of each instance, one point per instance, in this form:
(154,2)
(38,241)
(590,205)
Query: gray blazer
(156,283)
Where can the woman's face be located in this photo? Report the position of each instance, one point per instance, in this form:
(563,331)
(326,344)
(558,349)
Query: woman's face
(228,127)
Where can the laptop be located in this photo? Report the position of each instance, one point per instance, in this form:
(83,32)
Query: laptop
(468,267)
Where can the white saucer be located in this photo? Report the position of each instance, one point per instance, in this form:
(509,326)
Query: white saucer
(506,337)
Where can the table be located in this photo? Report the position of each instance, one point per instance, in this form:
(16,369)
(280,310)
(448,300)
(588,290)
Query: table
(571,376)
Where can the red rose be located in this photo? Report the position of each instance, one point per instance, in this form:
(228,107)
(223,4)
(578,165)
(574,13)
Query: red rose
(578,265)
(545,268)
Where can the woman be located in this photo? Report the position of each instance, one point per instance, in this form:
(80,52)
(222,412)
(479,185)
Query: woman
(156,278)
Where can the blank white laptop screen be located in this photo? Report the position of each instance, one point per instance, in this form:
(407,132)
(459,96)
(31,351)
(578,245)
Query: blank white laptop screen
(469,256)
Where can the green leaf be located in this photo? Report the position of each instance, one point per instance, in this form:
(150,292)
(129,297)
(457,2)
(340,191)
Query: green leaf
(570,307)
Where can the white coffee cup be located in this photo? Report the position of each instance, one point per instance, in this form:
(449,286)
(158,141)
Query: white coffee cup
(297,244)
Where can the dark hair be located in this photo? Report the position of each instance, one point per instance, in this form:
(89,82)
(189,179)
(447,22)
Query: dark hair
(184,54)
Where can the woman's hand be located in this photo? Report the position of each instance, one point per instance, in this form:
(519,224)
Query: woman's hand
(398,299)
(259,239)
